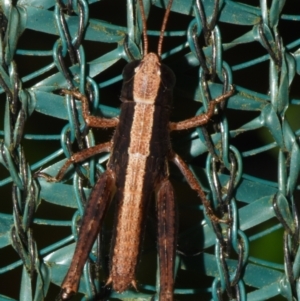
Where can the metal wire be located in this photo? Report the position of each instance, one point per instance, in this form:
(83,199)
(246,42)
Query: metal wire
(253,201)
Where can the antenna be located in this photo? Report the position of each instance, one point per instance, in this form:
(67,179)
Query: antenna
(145,37)
(163,27)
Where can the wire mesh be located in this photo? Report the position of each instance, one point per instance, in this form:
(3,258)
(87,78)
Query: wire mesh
(247,159)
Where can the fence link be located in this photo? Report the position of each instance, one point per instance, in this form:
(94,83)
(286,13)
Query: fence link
(247,158)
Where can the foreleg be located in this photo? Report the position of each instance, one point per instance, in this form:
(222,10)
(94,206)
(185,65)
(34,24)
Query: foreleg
(91,121)
(200,119)
(166,239)
(91,223)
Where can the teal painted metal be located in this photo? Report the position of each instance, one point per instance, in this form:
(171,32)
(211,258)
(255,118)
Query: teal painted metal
(261,204)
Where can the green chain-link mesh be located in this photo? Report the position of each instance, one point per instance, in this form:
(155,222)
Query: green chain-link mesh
(251,151)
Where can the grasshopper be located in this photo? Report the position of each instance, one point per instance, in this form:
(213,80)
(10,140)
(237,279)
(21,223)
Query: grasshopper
(138,166)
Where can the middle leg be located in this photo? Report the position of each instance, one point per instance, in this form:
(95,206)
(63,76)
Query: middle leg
(75,158)
(190,178)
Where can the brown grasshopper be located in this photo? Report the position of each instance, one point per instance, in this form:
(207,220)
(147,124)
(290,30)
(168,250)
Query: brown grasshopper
(138,165)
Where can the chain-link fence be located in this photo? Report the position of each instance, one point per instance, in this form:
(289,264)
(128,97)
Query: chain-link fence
(247,158)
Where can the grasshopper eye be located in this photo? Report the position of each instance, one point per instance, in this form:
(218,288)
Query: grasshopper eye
(136,69)
(158,68)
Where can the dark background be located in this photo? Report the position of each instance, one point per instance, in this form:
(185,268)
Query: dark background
(255,78)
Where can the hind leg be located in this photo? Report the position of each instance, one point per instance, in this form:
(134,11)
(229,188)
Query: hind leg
(91,223)
(166,215)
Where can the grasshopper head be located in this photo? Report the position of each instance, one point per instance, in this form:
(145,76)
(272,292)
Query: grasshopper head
(147,79)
